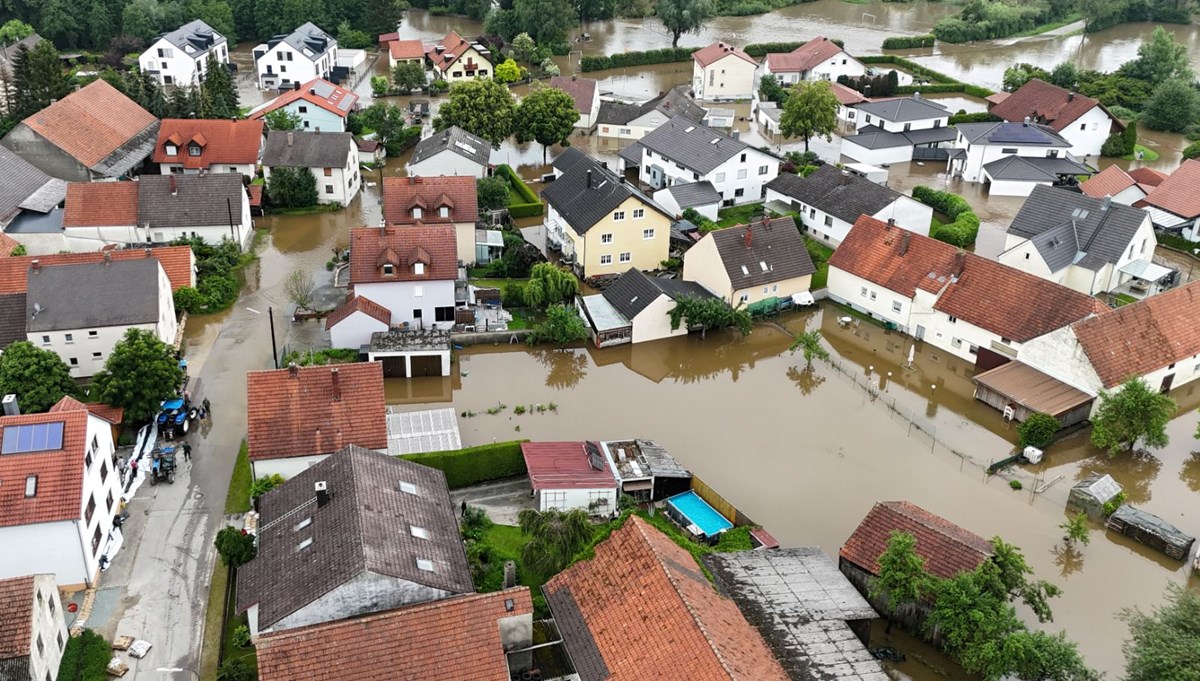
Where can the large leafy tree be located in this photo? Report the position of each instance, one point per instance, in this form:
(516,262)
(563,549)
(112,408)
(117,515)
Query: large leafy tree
(562,326)
(1164,645)
(140,373)
(507,71)
(381,16)
(709,313)
(38,79)
(546,21)
(14,30)
(683,16)
(481,107)
(390,126)
(1160,59)
(219,96)
(810,111)
(292,188)
(235,547)
(62,21)
(408,76)
(1172,107)
(282,119)
(902,577)
(492,192)
(547,115)
(38,377)
(554,538)
(549,285)
(1132,414)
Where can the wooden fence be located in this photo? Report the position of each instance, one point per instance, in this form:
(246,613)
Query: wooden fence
(719,503)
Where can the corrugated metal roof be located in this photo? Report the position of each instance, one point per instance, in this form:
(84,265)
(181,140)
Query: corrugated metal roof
(603,315)
(1032,389)
(418,432)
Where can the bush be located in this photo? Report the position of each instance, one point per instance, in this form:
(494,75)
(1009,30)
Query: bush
(908,42)
(1191,151)
(235,547)
(473,465)
(985,19)
(475,523)
(666,55)
(1015,484)
(964,225)
(380,87)
(1114,146)
(735,539)
(241,636)
(760,50)
(977,117)
(85,658)
(235,670)
(1039,430)
(189,300)
(1113,504)
(265,484)
(1124,113)
(525,204)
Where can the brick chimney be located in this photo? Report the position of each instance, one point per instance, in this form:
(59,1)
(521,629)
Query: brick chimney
(107,258)
(748,237)
(960,263)
(293,370)
(335,385)
(904,239)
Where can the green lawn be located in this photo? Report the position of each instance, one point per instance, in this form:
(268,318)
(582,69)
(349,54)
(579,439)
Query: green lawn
(820,254)
(1053,25)
(1124,299)
(1148,154)
(211,650)
(739,215)
(238,498)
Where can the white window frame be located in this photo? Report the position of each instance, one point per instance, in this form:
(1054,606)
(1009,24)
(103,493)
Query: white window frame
(648,234)
(606,260)
(626,257)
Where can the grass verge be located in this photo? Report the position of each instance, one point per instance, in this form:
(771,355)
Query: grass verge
(233,651)
(820,254)
(1148,154)
(238,498)
(307,210)
(739,215)
(210,653)
(1051,26)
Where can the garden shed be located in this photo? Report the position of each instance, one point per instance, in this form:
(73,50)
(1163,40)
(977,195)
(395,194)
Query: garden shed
(1152,531)
(1093,492)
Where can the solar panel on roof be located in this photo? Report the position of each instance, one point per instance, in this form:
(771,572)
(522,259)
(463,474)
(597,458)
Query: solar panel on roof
(35,437)
(1019,134)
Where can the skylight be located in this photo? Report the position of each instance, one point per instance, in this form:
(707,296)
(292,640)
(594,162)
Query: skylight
(745,271)
(418,532)
(690,128)
(302,524)
(426,565)
(763,265)
(304,544)
(408,487)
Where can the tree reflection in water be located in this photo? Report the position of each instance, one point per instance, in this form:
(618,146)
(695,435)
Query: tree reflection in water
(1068,558)
(567,367)
(1190,474)
(1135,471)
(806,379)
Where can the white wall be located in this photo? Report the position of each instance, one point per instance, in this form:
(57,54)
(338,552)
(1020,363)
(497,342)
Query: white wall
(664,199)
(52,548)
(1024,256)
(484,70)
(1087,133)
(300,69)
(288,467)
(654,322)
(1011,187)
(91,239)
(101,481)
(725,178)
(1059,354)
(180,67)
(909,214)
(400,298)
(355,331)
(875,157)
(865,119)
(728,78)
(979,155)
(577,498)
(446,163)
(958,337)
(48,625)
(342,184)
(870,298)
(247,169)
(841,64)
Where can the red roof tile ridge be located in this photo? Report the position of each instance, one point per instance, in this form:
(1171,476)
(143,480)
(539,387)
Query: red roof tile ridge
(955,533)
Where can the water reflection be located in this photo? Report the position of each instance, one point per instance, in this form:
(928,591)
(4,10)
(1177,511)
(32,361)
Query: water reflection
(1068,558)
(1190,473)
(566,367)
(805,379)
(1135,471)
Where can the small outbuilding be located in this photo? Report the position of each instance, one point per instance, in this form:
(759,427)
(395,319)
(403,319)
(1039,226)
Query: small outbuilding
(570,475)
(1093,492)
(410,354)
(1152,531)
(645,470)
(1018,390)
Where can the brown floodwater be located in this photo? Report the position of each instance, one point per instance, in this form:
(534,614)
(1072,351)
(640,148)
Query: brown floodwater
(806,453)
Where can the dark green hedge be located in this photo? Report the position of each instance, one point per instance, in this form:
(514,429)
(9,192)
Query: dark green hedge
(666,55)
(530,205)
(907,42)
(964,227)
(473,465)
(939,82)
(977,117)
(85,658)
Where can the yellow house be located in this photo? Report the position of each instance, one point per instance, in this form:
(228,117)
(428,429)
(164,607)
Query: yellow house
(603,224)
(750,263)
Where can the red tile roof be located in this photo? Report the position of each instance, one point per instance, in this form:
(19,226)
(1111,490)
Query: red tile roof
(1178,193)
(306,93)
(177,261)
(91,123)
(997,97)
(7,245)
(222,142)
(256,195)
(582,91)
(16,602)
(565,465)
(371,248)
(947,548)
(1150,334)
(59,473)
(406,49)
(1046,103)
(717,51)
(648,612)
(869,251)
(454,639)
(1148,177)
(101,204)
(454,46)
(386,38)
(847,96)
(402,194)
(1108,182)
(114,415)
(358,304)
(805,57)
(303,411)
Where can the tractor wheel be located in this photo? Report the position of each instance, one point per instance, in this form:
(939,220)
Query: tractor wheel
(186,425)
(153,479)
(171,477)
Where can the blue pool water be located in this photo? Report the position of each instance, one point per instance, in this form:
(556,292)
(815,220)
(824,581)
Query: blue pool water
(697,511)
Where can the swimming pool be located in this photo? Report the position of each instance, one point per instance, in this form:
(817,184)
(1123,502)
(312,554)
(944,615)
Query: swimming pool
(697,512)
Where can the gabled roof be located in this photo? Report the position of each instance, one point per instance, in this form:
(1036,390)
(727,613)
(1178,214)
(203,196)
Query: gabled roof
(634,290)
(1108,182)
(319,92)
(1178,193)
(805,57)
(177,261)
(100,204)
(17,625)
(455,638)
(59,494)
(567,158)
(372,247)
(406,49)
(1148,177)
(99,127)
(303,411)
(1046,103)
(9,52)
(189,200)
(693,194)
(310,41)
(401,194)
(566,465)
(692,145)
(93,295)
(1071,228)
(195,38)
(307,149)
(588,191)
(358,304)
(456,140)
(641,606)
(674,102)
(762,252)
(24,187)
(947,548)
(453,46)
(582,91)
(1033,134)
(1033,168)
(717,51)
(1138,338)
(904,109)
(366,526)
(847,96)
(839,193)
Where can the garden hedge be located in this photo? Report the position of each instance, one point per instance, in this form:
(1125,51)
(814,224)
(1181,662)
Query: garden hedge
(964,227)
(473,465)
(529,206)
(85,658)
(939,82)
(666,55)
(907,42)
(760,50)
(977,117)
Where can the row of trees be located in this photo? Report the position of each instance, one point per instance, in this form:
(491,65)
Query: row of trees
(549,21)
(487,108)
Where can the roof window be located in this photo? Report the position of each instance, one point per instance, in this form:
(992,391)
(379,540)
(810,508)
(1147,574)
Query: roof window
(418,532)
(426,565)
(408,487)
(302,524)
(304,544)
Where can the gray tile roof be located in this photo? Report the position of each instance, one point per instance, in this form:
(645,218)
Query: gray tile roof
(454,138)
(12,319)
(307,149)
(364,527)
(199,200)
(633,291)
(617,113)
(692,145)
(875,137)
(1090,231)
(632,154)
(674,102)
(1033,168)
(1011,133)
(841,194)
(694,194)
(904,109)
(310,41)
(582,205)
(776,252)
(195,38)
(567,158)
(130,154)
(19,182)
(93,295)
(7,53)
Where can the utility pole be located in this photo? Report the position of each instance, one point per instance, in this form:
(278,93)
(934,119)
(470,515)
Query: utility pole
(229,208)
(274,349)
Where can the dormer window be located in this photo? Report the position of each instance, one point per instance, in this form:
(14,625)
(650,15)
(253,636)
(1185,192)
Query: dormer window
(193,149)
(417,213)
(418,268)
(444,212)
(389,270)
(172,150)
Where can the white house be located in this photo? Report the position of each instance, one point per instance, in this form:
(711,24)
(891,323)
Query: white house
(1174,203)
(191,146)
(304,54)
(405,51)
(585,92)
(681,152)
(818,59)
(455,59)
(701,197)
(1012,157)
(897,130)
(62,490)
(634,121)
(570,475)
(453,151)
(181,56)
(722,72)
(1091,245)
(321,105)
(830,201)
(636,308)
(410,270)
(332,158)
(33,629)
(1084,122)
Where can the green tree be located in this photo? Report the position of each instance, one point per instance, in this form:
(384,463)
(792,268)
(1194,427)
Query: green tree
(683,16)
(902,577)
(390,126)
(1172,107)
(408,76)
(1065,75)
(561,327)
(1160,59)
(809,343)
(282,119)
(14,30)
(139,374)
(811,110)
(235,547)
(554,538)
(709,313)
(265,484)
(1008,573)
(219,94)
(39,378)
(218,14)
(292,188)
(492,192)
(38,79)
(381,16)
(550,285)
(1191,151)
(481,107)
(142,19)
(1075,529)
(1017,75)
(549,67)
(546,115)
(1164,645)
(507,71)
(1038,430)
(770,90)
(1038,656)
(524,48)
(546,21)
(1131,414)
(85,656)
(352,38)
(62,21)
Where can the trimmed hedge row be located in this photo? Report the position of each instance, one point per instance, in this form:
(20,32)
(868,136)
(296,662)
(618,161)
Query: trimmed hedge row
(530,205)
(940,82)
(907,42)
(977,117)
(665,55)
(760,50)
(85,658)
(473,465)
(965,226)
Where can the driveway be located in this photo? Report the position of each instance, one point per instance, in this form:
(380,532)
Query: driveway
(503,499)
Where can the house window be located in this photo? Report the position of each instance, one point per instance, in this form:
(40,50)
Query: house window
(720,178)
(896,306)
(868,118)
(96,541)
(45,340)
(31,486)
(89,511)
(606,260)
(739,192)
(418,268)
(1008,150)
(443,314)
(606,238)
(828,221)
(762,170)
(1053,153)
(974,349)
(774,288)
(108,503)
(74,361)
(745,298)
(647,234)
(639,213)
(389,270)
(907,127)
(626,131)
(304,544)
(97,355)
(872,295)
(60,636)
(328,189)
(408,487)
(937,123)
(743,158)
(863,292)
(103,471)
(172,150)
(41,648)
(626,257)
(618,216)
(444,212)
(87,459)
(952,318)
(70,338)
(957,342)
(233,169)
(329,173)
(426,565)
(418,292)
(283,69)
(741,174)
(193,150)
(303,109)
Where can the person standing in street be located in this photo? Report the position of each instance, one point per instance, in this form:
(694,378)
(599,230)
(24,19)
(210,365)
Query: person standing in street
(187,452)
(207,408)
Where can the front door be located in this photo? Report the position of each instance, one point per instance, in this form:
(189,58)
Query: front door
(919,334)
(1166,384)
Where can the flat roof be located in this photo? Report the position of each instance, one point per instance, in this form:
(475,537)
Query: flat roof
(418,432)
(1033,389)
(409,341)
(567,465)
(602,315)
(635,459)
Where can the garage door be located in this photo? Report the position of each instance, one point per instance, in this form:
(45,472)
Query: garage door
(393,367)
(430,365)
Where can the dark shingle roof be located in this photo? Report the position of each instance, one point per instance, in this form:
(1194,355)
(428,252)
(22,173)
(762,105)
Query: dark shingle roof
(633,291)
(307,149)
(694,194)
(1033,168)
(12,319)
(194,38)
(1011,133)
(875,137)
(1070,227)
(583,206)
(569,157)
(775,251)
(311,39)
(904,109)
(92,295)
(842,194)
(692,145)
(366,526)
(454,138)
(19,181)
(675,102)
(198,200)
(617,113)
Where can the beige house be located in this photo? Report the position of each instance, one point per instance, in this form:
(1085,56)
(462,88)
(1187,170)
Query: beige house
(636,308)
(601,223)
(455,59)
(722,72)
(750,263)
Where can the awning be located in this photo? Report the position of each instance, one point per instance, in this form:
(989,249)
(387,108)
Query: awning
(636,485)
(1146,271)
(1164,219)
(1030,388)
